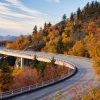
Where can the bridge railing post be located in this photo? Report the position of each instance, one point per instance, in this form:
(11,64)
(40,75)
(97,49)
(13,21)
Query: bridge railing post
(12,92)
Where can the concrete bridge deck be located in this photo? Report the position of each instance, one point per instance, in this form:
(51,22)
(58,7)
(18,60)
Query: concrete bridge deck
(41,56)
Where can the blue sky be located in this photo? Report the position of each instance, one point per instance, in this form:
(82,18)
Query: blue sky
(19,16)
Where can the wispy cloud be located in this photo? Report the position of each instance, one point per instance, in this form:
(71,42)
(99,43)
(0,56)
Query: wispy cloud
(56,1)
(20,21)
(22,7)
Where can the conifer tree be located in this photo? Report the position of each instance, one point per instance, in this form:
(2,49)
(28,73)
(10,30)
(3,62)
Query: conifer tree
(35,30)
(64,18)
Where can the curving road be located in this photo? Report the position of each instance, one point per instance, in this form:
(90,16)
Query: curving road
(79,83)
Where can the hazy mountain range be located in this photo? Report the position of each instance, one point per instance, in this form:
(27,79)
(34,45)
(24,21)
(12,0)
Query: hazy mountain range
(8,38)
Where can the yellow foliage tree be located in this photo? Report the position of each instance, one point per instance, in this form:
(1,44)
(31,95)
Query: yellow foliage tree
(78,49)
(17,71)
(20,44)
(94,51)
(89,40)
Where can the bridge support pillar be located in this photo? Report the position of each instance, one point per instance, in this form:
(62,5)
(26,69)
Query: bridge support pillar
(22,62)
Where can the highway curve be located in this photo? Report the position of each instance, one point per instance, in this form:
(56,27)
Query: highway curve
(79,83)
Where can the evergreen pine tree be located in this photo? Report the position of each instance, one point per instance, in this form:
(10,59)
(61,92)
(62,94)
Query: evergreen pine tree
(35,30)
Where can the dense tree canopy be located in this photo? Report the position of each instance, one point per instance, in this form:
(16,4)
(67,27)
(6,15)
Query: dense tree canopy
(5,76)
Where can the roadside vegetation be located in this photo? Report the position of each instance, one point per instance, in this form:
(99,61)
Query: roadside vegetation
(93,94)
(36,73)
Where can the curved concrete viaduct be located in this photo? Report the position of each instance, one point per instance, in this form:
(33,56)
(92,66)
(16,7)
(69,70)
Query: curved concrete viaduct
(41,56)
(80,82)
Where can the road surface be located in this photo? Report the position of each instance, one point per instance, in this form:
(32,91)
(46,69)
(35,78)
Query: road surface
(79,83)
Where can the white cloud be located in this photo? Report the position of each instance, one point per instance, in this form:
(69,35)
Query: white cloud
(22,7)
(23,22)
(3,7)
(18,27)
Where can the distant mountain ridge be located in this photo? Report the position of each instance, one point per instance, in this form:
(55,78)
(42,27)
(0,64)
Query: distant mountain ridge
(8,38)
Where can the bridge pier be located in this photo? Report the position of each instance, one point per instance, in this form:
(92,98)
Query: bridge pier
(22,62)
(19,62)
